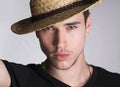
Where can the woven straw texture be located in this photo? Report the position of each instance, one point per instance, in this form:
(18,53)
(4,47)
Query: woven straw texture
(44,6)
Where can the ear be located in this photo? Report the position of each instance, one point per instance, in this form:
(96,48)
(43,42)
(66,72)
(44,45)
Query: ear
(88,24)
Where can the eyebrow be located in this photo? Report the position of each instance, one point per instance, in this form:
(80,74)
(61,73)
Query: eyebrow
(72,23)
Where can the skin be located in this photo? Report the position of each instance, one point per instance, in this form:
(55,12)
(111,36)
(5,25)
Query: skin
(63,43)
(4,76)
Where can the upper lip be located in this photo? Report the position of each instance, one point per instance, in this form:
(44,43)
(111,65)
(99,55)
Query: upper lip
(61,54)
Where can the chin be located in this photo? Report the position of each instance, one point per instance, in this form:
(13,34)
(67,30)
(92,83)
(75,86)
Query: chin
(63,66)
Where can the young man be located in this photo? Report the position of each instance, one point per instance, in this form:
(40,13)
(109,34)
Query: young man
(61,27)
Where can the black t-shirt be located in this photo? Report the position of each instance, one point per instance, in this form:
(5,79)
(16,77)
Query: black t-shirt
(32,75)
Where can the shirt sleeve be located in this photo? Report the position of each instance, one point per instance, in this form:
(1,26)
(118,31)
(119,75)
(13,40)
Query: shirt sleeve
(19,73)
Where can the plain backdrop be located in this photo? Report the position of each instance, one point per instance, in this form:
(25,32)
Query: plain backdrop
(102,46)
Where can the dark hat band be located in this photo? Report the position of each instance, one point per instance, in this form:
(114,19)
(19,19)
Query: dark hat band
(62,9)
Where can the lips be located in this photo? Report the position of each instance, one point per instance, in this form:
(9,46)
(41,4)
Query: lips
(61,56)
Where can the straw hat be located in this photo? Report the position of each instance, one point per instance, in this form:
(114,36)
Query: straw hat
(48,12)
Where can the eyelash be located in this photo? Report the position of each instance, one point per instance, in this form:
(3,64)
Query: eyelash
(72,26)
(50,28)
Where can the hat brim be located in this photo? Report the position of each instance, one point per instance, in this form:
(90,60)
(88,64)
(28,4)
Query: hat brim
(27,25)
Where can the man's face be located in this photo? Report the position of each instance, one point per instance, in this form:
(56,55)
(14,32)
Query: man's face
(63,42)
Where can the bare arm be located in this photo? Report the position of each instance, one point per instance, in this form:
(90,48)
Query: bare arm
(4,76)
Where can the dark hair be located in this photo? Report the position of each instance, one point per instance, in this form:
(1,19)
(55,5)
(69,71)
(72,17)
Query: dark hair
(86,14)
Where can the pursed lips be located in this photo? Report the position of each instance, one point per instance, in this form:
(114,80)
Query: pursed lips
(61,56)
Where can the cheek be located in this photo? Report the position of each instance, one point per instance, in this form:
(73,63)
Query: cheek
(46,42)
(77,40)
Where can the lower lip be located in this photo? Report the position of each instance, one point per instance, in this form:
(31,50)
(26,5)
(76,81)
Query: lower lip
(62,57)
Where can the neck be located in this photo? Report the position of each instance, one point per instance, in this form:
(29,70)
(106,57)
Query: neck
(80,73)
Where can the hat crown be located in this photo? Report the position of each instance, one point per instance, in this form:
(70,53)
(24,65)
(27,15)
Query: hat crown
(43,6)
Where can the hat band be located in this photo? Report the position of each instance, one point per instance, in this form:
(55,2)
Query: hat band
(62,9)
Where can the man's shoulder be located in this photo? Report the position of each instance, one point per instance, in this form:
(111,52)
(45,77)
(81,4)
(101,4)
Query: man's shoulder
(106,77)
(29,75)
(20,68)
(104,72)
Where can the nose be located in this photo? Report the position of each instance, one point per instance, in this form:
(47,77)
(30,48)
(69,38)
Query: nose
(60,39)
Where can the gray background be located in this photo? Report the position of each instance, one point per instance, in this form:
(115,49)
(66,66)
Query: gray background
(102,47)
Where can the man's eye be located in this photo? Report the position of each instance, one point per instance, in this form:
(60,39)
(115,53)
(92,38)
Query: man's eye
(72,27)
(49,28)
